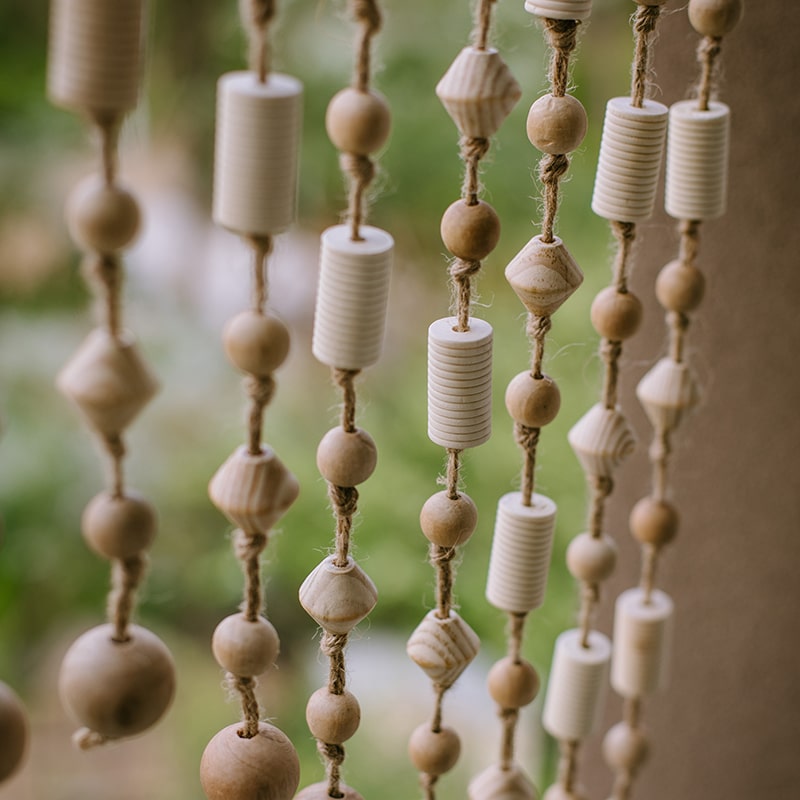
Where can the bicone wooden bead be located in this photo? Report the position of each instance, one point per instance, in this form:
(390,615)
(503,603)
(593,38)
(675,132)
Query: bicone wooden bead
(448,521)
(443,648)
(558,792)
(245,647)
(434,752)
(117,689)
(616,315)
(332,718)
(666,393)
(13,732)
(602,440)
(556,124)
(320,791)
(102,218)
(680,287)
(265,766)
(496,783)
(560,9)
(513,684)
(470,231)
(715,17)
(653,521)
(358,122)
(256,343)
(625,748)
(591,559)
(532,401)
(346,458)
(119,527)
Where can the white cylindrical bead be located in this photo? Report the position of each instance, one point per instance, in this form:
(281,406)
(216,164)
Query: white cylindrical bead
(352,296)
(577,685)
(697,160)
(459,383)
(560,9)
(630,160)
(520,559)
(255,158)
(95,56)
(642,638)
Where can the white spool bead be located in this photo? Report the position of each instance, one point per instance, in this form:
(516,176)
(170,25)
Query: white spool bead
(642,638)
(94,62)
(630,159)
(459,383)
(560,9)
(697,160)
(255,157)
(520,559)
(352,296)
(666,392)
(577,685)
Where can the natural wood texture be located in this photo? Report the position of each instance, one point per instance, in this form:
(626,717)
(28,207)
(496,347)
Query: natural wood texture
(448,521)
(560,9)
(512,683)
(255,342)
(119,527)
(503,784)
(715,17)
(556,124)
(680,287)
(533,401)
(13,732)
(470,231)
(443,648)
(346,458)
(602,439)
(434,752)
(332,718)
(245,647)
(102,218)
(320,791)
(591,558)
(666,392)
(653,522)
(616,315)
(358,122)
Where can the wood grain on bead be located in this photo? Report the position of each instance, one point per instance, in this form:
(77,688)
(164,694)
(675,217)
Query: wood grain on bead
(346,458)
(434,752)
(320,791)
(443,648)
(533,401)
(358,122)
(591,559)
(245,647)
(602,440)
(448,521)
(556,124)
(497,783)
(653,521)
(13,732)
(680,287)
(119,527)
(616,315)
(715,17)
(560,9)
(470,231)
(102,218)
(512,683)
(332,718)
(256,343)
(667,391)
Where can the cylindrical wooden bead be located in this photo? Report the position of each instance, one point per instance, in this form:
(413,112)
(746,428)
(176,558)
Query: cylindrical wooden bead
(13,732)
(255,159)
(560,9)
(434,752)
(352,297)
(577,685)
(556,123)
(320,791)
(641,642)
(94,62)
(497,783)
(332,718)
(245,647)
(630,160)
(443,648)
(459,383)
(119,527)
(697,160)
(666,392)
(520,558)
(602,440)
(714,17)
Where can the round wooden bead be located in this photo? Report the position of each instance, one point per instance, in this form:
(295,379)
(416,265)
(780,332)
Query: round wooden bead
(346,458)
(532,401)
(319,791)
(119,527)
(556,125)
(591,559)
(256,343)
(513,684)
(470,231)
(497,783)
(616,315)
(680,287)
(102,218)
(236,768)
(117,689)
(654,521)
(434,752)
(447,521)
(332,718)
(714,17)
(245,647)
(13,732)
(624,747)
(358,122)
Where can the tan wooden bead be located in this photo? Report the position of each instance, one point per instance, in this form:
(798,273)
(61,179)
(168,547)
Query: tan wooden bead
(560,9)
(443,648)
(470,231)
(119,527)
(245,647)
(117,689)
(602,440)
(616,315)
(513,684)
(625,748)
(558,792)
(358,122)
(667,391)
(654,521)
(256,343)
(556,124)
(496,783)
(531,401)
(591,559)
(650,2)
(102,218)
(319,791)
(680,287)
(346,458)
(715,17)
(332,718)
(434,752)
(13,732)
(447,521)
(236,768)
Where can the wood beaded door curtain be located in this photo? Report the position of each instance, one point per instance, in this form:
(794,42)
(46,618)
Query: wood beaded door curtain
(118,679)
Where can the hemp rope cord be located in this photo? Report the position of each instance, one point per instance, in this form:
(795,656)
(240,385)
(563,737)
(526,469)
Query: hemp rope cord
(259,17)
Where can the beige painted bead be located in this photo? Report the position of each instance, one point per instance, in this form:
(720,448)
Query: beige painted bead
(602,440)
(117,689)
(319,791)
(443,648)
(332,718)
(560,9)
(513,684)
(264,767)
(346,458)
(616,315)
(256,343)
(556,125)
(625,748)
(558,792)
(496,783)
(654,521)
(531,401)
(102,218)
(448,522)
(119,527)
(591,559)
(715,17)
(434,752)
(13,732)
(358,122)
(680,287)
(245,647)
(470,232)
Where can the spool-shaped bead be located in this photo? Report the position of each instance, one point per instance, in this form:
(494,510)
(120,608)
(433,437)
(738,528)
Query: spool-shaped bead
(642,639)
(13,732)
(602,440)
(497,783)
(443,647)
(697,160)
(576,691)
(560,9)
(255,159)
(352,296)
(666,392)
(520,558)
(630,160)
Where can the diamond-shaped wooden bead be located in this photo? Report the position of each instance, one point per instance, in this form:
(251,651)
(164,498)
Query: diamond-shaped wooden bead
(666,392)
(338,598)
(443,648)
(601,439)
(478,91)
(108,380)
(253,491)
(543,275)
(496,783)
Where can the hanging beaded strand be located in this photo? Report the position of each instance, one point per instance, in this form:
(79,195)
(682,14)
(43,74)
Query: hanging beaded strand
(94,67)
(349,322)
(696,182)
(255,185)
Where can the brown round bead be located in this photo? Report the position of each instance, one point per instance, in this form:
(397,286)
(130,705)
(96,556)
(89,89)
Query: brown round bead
(319,791)
(625,747)
(556,125)
(245,647)
(680,287)
(591,559)
(654,521)
(256,343)
(13,732)
(119,527)
(434,752)
(346,458)
(102,218)
(714,17)
(616,315)
(513,684)
(332,718)
(358,122)
(531,401)
(448,522)
(470,232)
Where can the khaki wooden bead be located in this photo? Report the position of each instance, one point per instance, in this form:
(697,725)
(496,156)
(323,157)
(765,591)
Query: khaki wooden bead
(434,752)
(680,287)
(654,521)
(616,315)
(236,768)
(470,232)
(714,17)
(531,401)
(556,125)
(358,122)
(346,458)
(119,527)
(501,782)
(591,559)
(13,732)
(513,684)
(625,748)
(448,522)
(558,792)
(245,647)
(332,718)
(256,343)
(102,218)
(319,791)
